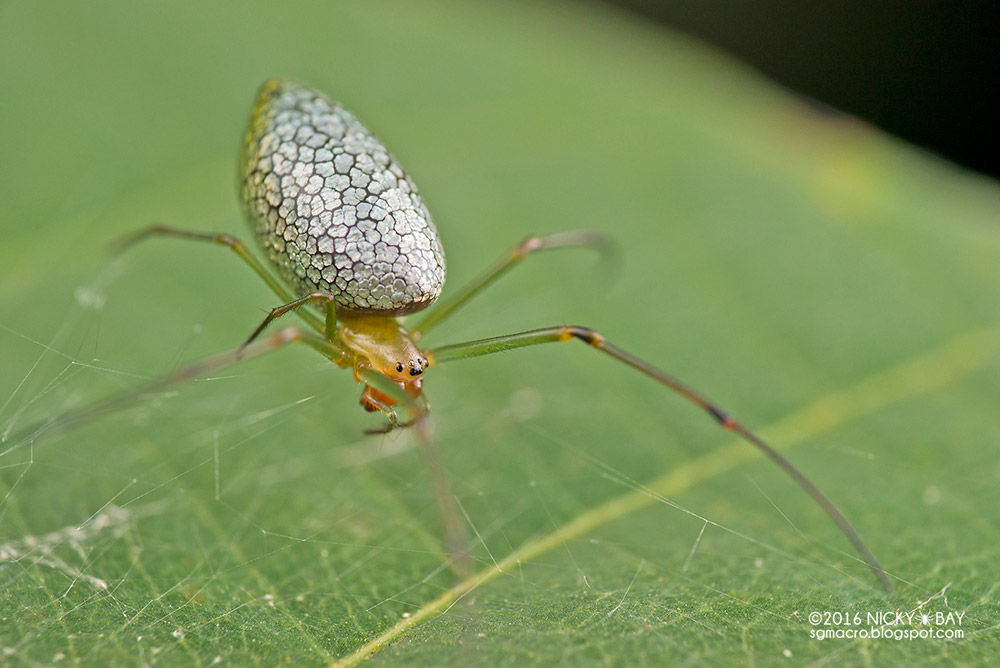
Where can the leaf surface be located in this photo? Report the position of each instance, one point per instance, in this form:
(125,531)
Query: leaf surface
(833,288)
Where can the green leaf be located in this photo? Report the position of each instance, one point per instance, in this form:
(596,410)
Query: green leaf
(834,289)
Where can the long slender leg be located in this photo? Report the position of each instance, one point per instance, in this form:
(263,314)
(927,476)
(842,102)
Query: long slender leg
(455,537)
(572,239)
(232,243)
(725,420)
(312,298)
(189,372)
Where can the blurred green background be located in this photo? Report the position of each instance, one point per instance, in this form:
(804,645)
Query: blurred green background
(831,287)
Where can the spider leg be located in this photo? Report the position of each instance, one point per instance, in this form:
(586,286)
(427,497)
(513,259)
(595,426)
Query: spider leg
(231,242)
(726,421)
(191,371)
(455,537)
(312,298)
(573,239)
(390,414)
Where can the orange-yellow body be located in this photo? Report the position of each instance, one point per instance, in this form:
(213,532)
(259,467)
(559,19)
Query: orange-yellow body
(381,344)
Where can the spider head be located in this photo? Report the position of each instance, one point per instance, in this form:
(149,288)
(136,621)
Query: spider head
(384,346)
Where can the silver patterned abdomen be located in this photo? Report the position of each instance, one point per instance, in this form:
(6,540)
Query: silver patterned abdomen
(332,209)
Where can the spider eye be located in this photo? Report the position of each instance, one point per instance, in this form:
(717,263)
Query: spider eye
(399,367)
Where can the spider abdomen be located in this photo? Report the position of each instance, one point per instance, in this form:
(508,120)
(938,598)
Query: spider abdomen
(332,209)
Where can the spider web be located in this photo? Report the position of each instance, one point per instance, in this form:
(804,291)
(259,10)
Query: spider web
(245,516)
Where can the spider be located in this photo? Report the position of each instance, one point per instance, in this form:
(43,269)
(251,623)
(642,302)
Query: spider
(349,236)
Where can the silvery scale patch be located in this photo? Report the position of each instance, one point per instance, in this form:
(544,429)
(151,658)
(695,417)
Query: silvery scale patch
(332,209)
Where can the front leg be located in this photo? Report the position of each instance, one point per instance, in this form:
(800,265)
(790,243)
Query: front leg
(597,341)
(372,400)
(381,394)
